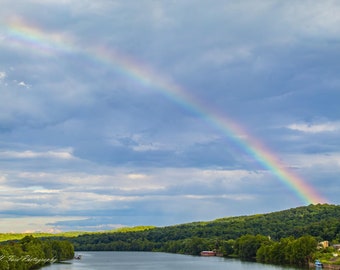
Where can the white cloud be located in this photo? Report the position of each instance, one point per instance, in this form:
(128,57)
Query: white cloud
(115,182)
(234,197)
(3,178)
(33,224)
(59,154)
(317,160)
(23,84)
(49,191)
(136,176)
(229,174)
(320,18)
(34,175)
(316,128)
(160,16)
(2,75)
(162,189)
(146,147)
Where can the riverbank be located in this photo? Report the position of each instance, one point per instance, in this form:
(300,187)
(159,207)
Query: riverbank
(326,266)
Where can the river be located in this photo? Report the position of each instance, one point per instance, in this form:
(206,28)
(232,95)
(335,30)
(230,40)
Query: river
(154,260)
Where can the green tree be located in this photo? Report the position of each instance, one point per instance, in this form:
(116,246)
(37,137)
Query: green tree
(194,246)
(246,246)
(301,250)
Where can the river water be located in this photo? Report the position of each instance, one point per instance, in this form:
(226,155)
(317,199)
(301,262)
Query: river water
(154,260)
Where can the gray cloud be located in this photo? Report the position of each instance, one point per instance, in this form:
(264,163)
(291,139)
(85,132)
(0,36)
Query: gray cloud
(83,134)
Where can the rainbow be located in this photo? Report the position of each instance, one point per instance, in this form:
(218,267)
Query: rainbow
(30,36)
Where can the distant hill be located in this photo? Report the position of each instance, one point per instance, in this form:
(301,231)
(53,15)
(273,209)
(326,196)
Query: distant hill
(321,221)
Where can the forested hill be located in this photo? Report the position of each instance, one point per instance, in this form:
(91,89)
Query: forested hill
(319,221)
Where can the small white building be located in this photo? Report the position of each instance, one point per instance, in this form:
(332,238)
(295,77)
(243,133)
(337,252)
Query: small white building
(336,246)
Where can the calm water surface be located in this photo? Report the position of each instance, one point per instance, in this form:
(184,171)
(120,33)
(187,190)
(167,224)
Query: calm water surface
(160,261)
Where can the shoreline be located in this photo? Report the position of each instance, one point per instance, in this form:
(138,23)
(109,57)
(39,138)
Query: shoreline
(326,266)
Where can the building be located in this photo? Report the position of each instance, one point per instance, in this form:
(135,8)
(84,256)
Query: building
(208,253)
(336,246)
(324,244)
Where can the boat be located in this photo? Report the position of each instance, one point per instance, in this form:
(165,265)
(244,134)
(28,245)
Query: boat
(77,257)
(318,264)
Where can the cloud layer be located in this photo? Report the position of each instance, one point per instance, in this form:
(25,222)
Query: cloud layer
(88,142)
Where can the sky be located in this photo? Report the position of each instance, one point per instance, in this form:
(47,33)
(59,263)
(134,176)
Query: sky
(123,113)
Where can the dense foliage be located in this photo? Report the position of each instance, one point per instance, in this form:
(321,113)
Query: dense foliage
(320,221)
(33,253)
(288,251)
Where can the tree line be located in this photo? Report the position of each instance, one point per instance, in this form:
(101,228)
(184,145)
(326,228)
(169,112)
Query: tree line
(280,237)
(33,253)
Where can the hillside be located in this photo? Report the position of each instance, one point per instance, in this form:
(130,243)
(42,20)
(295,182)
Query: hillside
(319,221)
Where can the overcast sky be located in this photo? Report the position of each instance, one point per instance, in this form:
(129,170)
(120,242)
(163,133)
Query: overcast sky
(93,134)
